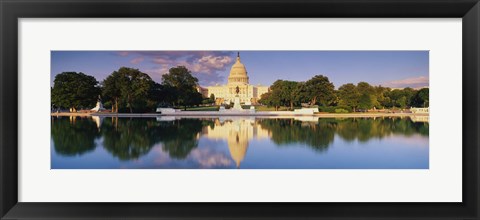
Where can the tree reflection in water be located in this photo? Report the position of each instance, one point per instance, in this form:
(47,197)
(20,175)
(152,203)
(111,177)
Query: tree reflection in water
(320,134)
(131,138)
(125,138)
(73,136)
(317,135)
(179,137)
(364,129)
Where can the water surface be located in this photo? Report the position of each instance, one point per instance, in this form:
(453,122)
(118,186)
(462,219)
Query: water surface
(239,142)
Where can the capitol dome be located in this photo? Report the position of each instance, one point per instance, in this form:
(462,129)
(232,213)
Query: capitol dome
(238,73)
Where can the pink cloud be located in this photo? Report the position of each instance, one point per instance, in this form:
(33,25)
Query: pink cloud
(123,53)
(137,60)
(210,67)
(413,82)
(161,60)
(157,72)
(202,157)
(207,158)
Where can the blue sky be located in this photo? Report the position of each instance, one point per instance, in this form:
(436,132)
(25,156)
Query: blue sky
(396,69)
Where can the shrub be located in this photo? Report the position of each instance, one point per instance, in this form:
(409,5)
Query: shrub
(340,110)
(329,109)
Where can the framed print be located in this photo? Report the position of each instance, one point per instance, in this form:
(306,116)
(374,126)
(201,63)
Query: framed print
(226,109)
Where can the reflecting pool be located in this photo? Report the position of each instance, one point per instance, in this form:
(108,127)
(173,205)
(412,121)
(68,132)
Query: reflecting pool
(239,142)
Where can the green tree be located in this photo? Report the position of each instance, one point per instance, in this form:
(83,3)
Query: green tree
(270,100)
(184,84)
(111,89)
(155,95)
(131,86)
(394,97)
(401,97)
(421,98)
(168,95)
(135,87)
(192,98)
(408,93)
(367,98)
(301,94)
(212,98)
(285,92)
(318,90)
(382,97)
(402,102)
(290,90)
(348,95)
(74,90)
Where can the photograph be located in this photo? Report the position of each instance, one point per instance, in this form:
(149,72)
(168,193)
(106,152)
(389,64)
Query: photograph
(278,109)
(242,109)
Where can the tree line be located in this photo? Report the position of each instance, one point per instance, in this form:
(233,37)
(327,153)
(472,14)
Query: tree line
(319,91)
(126,90)
(130,90)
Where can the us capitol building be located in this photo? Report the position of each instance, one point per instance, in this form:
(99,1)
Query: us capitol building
(225,94)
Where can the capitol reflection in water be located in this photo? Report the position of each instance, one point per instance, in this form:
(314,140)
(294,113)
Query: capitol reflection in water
(239,142)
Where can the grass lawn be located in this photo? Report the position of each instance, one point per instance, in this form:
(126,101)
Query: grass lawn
(266,108)
(257,108)
(203,108)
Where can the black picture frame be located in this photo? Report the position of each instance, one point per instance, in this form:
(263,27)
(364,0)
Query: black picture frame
(12,10)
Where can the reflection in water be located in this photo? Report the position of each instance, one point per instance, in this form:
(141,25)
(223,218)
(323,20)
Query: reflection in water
(237,132)
(73,136)
(127,138)
(130,138)
(363,129)
(238,142)
(179,137)
(317,135)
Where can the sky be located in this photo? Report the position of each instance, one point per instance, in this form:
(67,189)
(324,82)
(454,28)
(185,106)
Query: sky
(395,69)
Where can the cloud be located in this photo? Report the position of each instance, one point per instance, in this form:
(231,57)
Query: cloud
(161,60)
(137,60)
(208,66)
(413,82)
(202,158)
(216,62)
(207,158)
(123,53)
(157,72)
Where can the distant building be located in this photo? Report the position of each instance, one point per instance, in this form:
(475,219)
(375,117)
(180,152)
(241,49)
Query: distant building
(225,94)
(203,91)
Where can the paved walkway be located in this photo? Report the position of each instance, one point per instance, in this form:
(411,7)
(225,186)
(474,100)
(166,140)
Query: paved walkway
(240,113)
